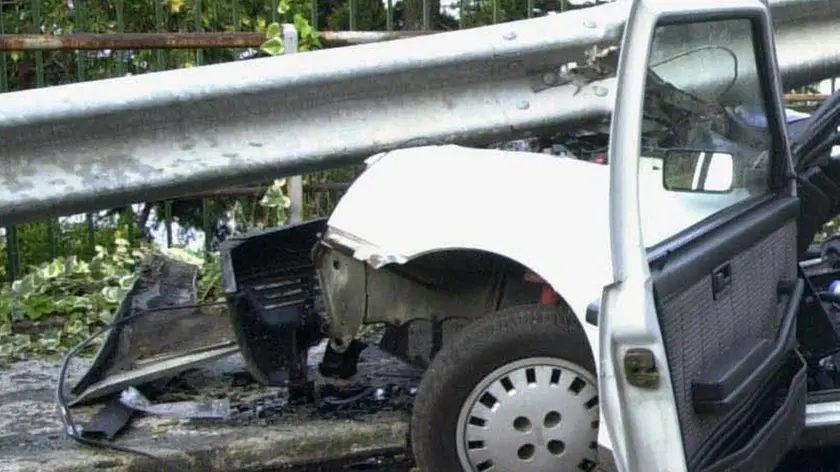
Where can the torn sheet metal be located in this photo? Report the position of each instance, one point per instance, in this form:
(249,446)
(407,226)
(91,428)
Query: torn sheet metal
(104,144)
(219,408)
(164,341)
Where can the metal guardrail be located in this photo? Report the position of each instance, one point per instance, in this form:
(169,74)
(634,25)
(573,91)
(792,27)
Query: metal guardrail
(95,145)
(31,60)
(77,147)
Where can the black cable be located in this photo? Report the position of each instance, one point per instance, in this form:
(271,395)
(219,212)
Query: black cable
(70,427)
(340,402)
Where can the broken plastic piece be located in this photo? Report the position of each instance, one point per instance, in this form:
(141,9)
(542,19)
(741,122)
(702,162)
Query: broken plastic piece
(132,398)
(154,334)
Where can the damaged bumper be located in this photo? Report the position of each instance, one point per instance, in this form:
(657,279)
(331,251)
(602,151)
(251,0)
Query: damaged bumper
(274,298)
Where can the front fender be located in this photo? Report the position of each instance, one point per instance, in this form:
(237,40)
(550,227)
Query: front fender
(546,213)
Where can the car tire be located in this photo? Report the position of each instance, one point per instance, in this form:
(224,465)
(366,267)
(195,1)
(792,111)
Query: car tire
(538,362)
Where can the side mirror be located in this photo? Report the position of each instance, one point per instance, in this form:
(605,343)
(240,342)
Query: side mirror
(689,170)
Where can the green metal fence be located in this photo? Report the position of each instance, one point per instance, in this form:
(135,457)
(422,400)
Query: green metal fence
(50,42)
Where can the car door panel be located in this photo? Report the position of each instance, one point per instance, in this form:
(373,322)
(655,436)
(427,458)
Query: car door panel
(720,345)
(700,364)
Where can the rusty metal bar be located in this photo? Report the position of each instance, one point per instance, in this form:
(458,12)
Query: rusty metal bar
(314,187)
(121,41)
(805,97)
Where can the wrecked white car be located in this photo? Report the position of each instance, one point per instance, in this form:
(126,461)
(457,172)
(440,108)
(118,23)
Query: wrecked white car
(505,273)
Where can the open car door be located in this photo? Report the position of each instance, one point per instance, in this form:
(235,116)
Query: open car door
(700,370)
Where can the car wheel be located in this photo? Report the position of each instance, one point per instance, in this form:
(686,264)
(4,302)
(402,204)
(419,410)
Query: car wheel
(513,391)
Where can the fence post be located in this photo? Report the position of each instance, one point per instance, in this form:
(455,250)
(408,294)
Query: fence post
(13,258)
(295,183)
(11,231)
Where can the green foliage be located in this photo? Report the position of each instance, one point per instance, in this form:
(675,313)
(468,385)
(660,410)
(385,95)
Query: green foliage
(210,289)
(276,200)
(371,15)
(58,304)
(308,38)
(35,246)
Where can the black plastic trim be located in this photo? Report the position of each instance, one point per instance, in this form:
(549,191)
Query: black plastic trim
(779,432)
(659,253)
(592,312)
(824,396)
(716,389)
(745,366)
(693,261)
(273,292)
(689,264)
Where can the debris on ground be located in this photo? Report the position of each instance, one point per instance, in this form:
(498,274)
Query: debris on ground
(263,431)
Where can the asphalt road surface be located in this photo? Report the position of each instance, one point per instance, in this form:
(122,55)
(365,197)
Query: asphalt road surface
(821,460)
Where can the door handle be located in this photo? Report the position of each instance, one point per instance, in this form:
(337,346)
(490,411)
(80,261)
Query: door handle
(721,279)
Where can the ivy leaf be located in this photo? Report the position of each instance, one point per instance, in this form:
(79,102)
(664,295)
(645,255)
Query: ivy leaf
(273,46)
(21,342)
(175,5)
(274,196)
(302,25)
(38,307)
(81,268)
(52,270)
(25,286)
(273,31)
(106,316)
(127,281)
(50,342)
(111,294)
(283,6)
(5,310)
(74,327)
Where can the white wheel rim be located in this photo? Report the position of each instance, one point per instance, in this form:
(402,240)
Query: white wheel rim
(535,414)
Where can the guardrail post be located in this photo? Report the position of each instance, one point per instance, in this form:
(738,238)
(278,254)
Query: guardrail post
(295,183)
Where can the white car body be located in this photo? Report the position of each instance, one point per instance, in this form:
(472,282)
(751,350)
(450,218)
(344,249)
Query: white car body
(416,201)
(548,213)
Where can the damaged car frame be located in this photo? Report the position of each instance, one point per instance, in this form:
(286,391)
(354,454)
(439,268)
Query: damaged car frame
(666,311)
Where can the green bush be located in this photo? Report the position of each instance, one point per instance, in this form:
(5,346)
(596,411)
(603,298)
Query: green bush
(57,304)
(35,247)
